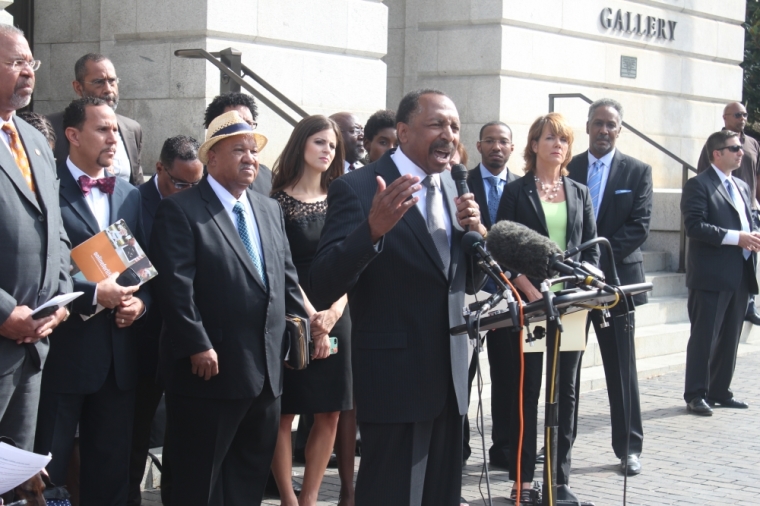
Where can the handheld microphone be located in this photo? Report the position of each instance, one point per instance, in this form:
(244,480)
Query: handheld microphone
(459,175)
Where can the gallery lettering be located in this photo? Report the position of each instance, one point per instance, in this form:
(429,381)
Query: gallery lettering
(638,24)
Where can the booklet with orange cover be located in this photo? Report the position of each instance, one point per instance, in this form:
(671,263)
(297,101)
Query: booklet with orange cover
(112,250)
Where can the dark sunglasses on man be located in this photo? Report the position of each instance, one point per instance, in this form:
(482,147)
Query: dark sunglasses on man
(733,149)
(737,115)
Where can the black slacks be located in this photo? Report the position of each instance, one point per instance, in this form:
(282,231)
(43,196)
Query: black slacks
(502,391)
(716,325)
(569,361)
(147,398)
(618,352)
(412,464)
(19,401)
(105,435)
(221,449)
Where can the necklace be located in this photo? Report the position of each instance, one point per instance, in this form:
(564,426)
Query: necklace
(550,191)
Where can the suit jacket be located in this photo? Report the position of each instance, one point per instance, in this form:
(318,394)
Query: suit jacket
(624,215)
(402,302)
(212,297)
(708,213)
(521,203)
(148,335)
(130,131)
(263,182)
(35,251)
(478,188)
(82,351)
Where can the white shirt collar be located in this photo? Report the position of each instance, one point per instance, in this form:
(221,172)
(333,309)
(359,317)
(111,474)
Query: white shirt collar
(406,166)
(606,159)
(723,177)
(484,173)
(227,199)
(155,180)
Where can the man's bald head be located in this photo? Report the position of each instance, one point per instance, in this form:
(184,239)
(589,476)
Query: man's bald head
(353,135)
(735,117)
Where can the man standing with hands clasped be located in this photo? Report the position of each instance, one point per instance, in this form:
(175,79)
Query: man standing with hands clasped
(391,240)
(720,273)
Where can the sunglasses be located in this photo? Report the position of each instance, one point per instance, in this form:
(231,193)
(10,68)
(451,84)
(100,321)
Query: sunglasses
(733,149)
(737,115)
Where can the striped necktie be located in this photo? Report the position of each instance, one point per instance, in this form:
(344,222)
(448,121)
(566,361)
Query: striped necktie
(595,184)
(17,150)
(493,198)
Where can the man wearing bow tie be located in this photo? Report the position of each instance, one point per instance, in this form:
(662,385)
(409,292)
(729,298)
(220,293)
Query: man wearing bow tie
(91,372)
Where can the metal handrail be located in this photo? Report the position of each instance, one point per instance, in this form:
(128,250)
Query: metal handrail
(685,167)
(228,74)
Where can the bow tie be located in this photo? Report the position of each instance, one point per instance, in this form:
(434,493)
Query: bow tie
(104,184)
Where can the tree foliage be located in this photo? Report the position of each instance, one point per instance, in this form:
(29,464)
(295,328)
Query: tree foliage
(751,64)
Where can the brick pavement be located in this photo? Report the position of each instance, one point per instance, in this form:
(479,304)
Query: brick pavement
(686,459)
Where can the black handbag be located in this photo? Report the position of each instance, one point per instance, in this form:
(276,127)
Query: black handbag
(298,336)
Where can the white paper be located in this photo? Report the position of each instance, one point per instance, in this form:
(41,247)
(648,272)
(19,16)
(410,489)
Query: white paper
(573,337)
(58,300)
(17,466)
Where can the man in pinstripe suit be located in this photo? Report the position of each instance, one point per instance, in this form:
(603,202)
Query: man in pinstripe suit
(392,242)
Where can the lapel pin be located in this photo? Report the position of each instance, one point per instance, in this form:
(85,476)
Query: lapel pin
(36,150)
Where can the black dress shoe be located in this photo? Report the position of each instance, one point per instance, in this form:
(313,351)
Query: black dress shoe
(633,465)
(698,406)
(752,315)
(541,456)
(733,402)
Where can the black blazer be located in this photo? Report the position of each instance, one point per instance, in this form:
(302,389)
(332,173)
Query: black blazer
(130,131)
(81,352)
(212,297)
(148,335)
(708,213)
(624,216)
(478,188)
(402,302)
(520,203)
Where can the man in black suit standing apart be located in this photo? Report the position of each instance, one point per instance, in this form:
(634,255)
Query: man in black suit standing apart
(95,76)
(353,139)
(227,280)
(35,252)
(720,273)
(621,191)
(178,169)
(91,371)
(392,242)
(487,182)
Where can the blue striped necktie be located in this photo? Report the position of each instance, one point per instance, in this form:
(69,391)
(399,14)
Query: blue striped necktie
(493,198)
(253,252)
(595,184)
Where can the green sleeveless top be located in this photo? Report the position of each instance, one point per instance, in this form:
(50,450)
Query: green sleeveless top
(556,222)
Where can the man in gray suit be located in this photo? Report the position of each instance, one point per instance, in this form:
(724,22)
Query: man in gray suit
(35,257)
(95,76)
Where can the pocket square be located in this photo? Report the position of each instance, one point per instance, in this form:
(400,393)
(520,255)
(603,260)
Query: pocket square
(618,192)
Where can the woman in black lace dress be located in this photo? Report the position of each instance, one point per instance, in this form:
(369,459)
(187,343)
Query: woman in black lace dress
(312,158)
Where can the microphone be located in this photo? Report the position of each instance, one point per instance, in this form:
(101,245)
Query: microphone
(459,175)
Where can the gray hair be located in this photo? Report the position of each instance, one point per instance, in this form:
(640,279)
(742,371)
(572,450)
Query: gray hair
(8,30)
(605,102)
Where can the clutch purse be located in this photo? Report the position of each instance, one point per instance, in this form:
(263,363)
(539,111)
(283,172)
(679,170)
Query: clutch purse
(297,332)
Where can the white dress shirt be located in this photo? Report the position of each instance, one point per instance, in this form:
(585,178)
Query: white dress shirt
(97,201)
(732,236)
(406,166)
(485,174)
(606,165)
(229,201)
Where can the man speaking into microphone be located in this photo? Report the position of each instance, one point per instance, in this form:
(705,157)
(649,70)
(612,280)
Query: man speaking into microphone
(391,240)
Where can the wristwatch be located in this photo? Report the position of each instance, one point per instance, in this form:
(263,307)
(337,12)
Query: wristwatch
(68,313)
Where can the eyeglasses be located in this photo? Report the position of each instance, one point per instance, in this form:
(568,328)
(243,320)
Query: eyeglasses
(99,83)
(181,185)
(502,142)
(737,115)
(357,131)
(17,65)
(733,149)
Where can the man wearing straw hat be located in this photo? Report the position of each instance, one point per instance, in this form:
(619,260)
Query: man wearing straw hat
(226,281)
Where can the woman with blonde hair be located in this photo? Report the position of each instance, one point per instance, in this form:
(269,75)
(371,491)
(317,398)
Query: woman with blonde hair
(548,202)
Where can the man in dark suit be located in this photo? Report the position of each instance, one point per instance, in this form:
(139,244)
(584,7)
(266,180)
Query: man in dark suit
(95,76)
(36,266)
(91,371)
(621,191)
(178,169)
(720,273)
(487,182)
(735,119)
(396,251)
(227,282)
(246,107)
(353,139)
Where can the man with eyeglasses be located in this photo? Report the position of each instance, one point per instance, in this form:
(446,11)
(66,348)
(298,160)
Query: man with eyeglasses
(95,76)
(734,120)
(178,169)
(720,273)
(353,139)
(35,252)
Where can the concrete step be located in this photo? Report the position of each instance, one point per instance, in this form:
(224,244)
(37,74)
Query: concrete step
(656,261)
(659,310)
(651,341)
(667,284)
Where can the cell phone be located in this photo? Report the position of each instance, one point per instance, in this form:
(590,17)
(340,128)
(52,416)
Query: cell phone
(128,278)
(333,346)
(45,312)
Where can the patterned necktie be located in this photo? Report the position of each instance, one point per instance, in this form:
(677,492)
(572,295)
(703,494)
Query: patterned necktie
(435,224)
(242,229)
(17,149)
(493,197)
(595,184)
(104,184)
(739,207)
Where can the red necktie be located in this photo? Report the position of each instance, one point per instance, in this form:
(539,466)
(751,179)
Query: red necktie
(104,184)
(351,167)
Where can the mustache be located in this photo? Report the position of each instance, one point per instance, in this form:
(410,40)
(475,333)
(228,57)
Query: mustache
(24,82)
(441,144)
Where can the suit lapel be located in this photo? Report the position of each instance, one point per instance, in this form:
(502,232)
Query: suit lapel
(263,221)
(8,164)
(115,201)
(617,168)
(478,188)
(531,193)
(151,198)
(721,188)
(72,193)
(571,199)
(129,141)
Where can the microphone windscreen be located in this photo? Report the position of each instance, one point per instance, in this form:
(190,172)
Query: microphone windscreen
(459,172)
(469,240)
(521,249)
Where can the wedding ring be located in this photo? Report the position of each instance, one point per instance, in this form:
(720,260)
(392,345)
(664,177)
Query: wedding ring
(122,321)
